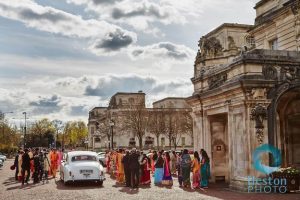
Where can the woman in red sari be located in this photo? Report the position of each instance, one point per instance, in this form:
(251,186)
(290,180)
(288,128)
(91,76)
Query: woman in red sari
(146,168)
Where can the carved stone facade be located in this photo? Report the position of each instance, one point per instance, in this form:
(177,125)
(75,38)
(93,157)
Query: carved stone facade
(246,95)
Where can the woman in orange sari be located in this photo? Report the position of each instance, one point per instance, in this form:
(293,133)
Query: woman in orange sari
(54,161)
(49,158)
(196,170)
(120,166)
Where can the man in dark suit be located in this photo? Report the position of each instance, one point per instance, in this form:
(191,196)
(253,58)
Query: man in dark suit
(127,171)
(16,164)
(25,167)
(134,168)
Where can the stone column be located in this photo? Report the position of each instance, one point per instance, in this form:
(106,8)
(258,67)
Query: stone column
(197,130)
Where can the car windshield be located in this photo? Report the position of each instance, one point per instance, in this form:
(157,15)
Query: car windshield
(83,158)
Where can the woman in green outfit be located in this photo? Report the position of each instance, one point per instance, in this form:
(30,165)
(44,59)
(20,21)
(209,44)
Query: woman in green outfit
(186,168)
(205,169)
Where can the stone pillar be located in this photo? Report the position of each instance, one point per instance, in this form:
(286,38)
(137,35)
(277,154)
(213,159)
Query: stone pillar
(198,130)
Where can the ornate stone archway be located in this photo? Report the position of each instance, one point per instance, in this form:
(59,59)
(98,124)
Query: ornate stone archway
(284,122)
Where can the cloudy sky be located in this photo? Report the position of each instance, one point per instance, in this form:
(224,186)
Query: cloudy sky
(61,58)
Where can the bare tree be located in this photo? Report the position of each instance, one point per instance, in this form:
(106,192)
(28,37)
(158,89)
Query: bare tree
(157,123)
(187,124)
(178,122)
(136,120)
(172,126)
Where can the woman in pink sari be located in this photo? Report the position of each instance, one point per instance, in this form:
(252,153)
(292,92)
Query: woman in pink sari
(167,178)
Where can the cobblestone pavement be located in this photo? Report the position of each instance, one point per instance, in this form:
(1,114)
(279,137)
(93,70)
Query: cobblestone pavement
(55,189)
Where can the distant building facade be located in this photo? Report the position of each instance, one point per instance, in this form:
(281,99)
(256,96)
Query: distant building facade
(100,118)
(247,91)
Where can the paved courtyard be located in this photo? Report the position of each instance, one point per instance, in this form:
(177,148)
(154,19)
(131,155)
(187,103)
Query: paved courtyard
(55,189)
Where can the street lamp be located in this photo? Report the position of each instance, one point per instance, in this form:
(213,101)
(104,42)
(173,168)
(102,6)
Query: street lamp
(24,113)
(112,124)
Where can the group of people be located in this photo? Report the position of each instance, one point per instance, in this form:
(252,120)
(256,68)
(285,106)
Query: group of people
(134,168)
(39,163)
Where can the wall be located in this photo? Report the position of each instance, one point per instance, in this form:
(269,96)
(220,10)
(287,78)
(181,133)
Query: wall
(283,28)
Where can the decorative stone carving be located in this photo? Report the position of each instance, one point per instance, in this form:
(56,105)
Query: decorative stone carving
(202,72)
(289,73)
(231,43)
(217,80)
(259,114)
(284,87)
(210,46)
(269,73)
(198,58)
(259,93)
(296,7)
(250,41)
(198,112)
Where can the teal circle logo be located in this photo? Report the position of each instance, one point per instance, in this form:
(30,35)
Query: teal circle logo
(276,158)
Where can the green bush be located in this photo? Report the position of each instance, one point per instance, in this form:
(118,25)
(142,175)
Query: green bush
(8,150)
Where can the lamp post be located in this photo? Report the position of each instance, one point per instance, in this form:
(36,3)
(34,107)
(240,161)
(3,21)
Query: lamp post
(112,124)
(24,113)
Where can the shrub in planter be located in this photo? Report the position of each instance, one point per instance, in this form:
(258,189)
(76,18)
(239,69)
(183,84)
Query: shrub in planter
(292,176)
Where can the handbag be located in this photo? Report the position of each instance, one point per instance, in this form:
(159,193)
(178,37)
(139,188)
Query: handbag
(13,167)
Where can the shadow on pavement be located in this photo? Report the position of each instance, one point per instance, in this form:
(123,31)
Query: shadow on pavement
(10,181)
(77,186)
(129,190)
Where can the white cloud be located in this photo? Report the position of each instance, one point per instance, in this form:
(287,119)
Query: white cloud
(163,50)
(71,98)
(140,14)
(52,20)
(148,16)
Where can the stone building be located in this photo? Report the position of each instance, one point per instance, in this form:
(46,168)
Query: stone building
(100,119)
(171,102)
(247,91)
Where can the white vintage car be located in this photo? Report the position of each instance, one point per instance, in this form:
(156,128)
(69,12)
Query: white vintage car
(81,166)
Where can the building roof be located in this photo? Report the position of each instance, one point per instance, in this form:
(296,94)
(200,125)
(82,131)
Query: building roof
(169,98)
(260,3)
(129,93)
(228,25)
(95,108)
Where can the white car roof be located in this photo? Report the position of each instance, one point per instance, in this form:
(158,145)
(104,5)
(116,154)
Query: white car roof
(77,153)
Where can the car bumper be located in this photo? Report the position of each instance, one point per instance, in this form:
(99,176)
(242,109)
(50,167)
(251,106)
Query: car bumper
(75,179)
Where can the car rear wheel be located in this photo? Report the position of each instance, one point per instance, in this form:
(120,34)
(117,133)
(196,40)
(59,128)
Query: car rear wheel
(100,183)
(62,178)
